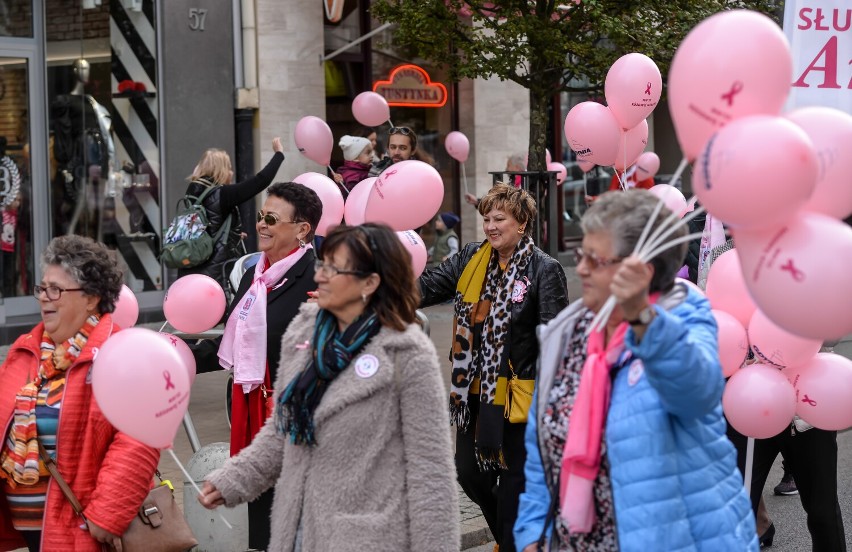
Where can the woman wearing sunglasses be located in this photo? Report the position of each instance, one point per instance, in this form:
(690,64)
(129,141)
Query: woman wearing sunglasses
(626,446)
(359,448)
(267,300)
(502,289)
(222,204)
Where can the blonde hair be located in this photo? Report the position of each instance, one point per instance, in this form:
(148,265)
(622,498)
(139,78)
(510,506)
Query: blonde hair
(215,165)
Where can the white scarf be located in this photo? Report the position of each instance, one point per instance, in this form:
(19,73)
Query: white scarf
(247,324)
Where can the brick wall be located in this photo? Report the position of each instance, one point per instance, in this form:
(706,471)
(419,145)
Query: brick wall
(64,18)
(18,20)
(13,106)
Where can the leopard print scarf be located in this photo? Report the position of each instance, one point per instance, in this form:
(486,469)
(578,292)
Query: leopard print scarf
(480,359)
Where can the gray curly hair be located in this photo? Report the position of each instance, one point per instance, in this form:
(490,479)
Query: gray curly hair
(90,264)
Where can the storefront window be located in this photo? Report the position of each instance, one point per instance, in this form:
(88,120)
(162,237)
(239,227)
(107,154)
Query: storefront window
(16,255)
(16,18)
(103,123)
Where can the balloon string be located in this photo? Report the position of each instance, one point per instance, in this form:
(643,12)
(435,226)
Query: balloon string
(464,179)
(194,484)
(342,188)
(618,176)
(390,122)
(163,327)
(678,172)
(624,148)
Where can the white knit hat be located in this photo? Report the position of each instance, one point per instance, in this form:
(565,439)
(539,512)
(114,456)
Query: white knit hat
(352,146)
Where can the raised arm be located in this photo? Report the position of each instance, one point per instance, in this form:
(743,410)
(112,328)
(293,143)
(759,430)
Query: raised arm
(234,194)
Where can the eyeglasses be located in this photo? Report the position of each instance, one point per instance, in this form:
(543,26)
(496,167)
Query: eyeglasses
(272,219)
(593,260)
(330,271)
(53,292)
(405,131)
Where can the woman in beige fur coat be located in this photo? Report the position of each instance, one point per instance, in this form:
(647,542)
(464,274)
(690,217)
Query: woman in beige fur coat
(359,446)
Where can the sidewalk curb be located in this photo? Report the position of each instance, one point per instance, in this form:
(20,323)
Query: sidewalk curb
(476,536)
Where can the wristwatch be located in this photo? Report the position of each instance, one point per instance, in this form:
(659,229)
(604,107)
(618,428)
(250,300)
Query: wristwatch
(646,316)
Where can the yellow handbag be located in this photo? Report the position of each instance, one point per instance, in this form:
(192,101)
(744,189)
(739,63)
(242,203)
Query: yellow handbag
(519,394)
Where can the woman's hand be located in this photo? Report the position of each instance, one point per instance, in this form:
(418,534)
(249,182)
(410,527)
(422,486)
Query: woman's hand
(531,547)
(337,177)
(210,496)
(630,285)
(103,536)
(276,145)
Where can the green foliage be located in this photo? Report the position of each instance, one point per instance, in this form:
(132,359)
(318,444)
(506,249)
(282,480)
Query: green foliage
(545,45)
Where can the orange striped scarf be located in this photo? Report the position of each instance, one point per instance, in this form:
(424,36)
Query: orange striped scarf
(19,460)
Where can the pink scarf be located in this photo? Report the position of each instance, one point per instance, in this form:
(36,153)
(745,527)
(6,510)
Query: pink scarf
(581,459)
(246,327)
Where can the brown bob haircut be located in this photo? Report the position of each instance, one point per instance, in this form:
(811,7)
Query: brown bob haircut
(515,201)
(375,248)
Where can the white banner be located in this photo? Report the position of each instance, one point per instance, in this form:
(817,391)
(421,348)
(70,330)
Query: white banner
(820,35)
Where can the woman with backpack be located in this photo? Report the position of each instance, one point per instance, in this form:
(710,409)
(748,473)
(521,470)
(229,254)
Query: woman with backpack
(222,205)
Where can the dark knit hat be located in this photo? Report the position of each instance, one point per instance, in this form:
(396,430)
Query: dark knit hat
(450,219)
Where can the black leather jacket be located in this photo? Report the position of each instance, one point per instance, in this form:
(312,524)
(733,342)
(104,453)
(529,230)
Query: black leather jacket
(546,295)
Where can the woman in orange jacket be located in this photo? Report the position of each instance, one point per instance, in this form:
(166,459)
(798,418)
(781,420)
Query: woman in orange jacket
(46,400)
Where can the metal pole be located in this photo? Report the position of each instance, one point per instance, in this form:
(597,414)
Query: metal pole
(749,464)
(190,432)
(354,42)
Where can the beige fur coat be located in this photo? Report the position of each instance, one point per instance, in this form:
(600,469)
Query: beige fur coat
(381,476)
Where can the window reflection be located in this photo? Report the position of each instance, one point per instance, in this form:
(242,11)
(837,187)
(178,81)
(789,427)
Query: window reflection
(16,18)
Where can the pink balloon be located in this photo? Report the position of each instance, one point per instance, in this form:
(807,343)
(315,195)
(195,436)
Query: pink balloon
(732,64)
(632,88)
(672,197)
(726,288)
(330,197)
(585,166)
(356,202)
(778,347)
(457,146)
(406,195)
(547,158)
(141,386)
(830,130)
(647,165)
(184,352)
(799,274)
(759,401)
(631,144)
(558,168)
(370,109)
(757,171)
(416,248)
(593,133)
(126,309)
(314,139)
(194,303)
(733,342)
(823,387)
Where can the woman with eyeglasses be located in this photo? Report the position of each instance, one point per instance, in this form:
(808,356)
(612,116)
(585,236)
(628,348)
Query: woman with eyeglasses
(222,205)
(502,289)
(267,300)
(359,448)
(47,408)
(626,445)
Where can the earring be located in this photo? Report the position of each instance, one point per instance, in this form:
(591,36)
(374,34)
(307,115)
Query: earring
(301,243)
(521,230)
(364,298)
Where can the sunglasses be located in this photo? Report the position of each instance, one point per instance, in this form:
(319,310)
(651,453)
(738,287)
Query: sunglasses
(593,260)
(405,131)
(272,219)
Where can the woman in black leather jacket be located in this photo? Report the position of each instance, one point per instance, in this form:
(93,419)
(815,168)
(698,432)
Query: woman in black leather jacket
(502,289)
(214,169)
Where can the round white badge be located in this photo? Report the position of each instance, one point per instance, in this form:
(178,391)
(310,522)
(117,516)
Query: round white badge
(635,373)
(366,366)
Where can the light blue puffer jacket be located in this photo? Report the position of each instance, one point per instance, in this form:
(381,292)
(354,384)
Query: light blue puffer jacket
(674,474)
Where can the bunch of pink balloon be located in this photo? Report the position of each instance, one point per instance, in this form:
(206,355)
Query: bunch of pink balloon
(314,139)
(194,303)
(406,195)
(141,385)
(370,109)
(616,134)
(330,197)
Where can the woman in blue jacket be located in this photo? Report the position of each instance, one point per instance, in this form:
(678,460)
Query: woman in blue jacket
(626,445)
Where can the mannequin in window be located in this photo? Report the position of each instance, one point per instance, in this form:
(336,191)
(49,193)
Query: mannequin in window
(84,152)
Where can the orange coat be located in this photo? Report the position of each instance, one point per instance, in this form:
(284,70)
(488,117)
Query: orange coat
(110,472)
